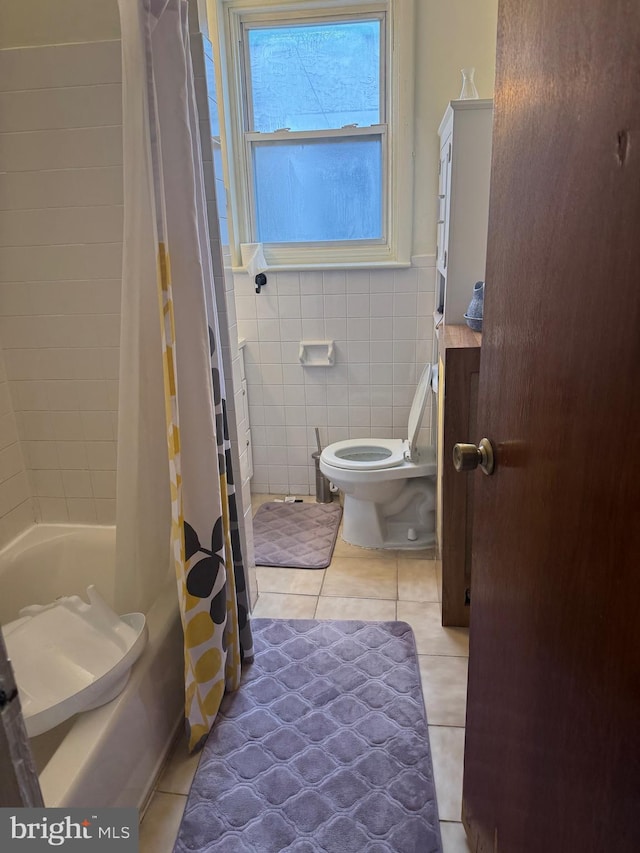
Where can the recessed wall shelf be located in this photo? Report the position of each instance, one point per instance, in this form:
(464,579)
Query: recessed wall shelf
(317,353)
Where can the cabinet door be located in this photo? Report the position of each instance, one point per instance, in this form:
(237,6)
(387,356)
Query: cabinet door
(246,458)
(444,194)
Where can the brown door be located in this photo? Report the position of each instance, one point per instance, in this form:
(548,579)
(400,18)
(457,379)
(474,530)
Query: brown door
(552,758)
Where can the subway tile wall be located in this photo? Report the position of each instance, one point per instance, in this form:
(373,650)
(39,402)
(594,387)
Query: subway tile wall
(16,505)
(382,325)
(60,271)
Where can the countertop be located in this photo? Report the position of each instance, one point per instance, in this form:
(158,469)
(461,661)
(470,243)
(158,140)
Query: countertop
(458,337)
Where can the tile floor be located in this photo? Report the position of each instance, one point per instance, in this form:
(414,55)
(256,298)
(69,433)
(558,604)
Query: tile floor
(381,585)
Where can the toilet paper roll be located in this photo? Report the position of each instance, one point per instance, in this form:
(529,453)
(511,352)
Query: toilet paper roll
(253,259)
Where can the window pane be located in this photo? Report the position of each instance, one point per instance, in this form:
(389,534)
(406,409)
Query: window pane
(316,76)
(318,190)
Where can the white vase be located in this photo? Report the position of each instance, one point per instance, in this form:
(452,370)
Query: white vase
(469,91)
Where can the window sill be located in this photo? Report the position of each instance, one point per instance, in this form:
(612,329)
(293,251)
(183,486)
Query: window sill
(333,256)
(342,265)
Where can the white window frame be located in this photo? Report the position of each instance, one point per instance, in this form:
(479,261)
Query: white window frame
(395,130)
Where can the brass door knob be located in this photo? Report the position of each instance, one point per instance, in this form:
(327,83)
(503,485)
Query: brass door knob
(467,457)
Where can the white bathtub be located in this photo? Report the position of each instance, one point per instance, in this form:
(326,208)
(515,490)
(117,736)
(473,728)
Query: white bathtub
(112,755)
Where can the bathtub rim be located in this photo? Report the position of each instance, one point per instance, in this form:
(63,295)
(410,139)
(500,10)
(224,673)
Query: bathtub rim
(38,531)
(60,776)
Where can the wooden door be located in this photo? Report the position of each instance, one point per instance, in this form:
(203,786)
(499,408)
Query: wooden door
(552,756)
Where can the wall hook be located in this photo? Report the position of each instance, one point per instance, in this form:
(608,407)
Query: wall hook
(260,280)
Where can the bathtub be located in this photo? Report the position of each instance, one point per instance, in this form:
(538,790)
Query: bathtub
(110,756)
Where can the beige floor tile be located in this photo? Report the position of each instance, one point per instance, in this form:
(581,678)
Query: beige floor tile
(258,499)
(359,577)
(345,549)
(444,686)
(374,609)
(180,768)
(431,637)
(418,553)
(159,828)
(417,580)
(295,581)
(438,565)
(447,750)
(454,838)
(276,606)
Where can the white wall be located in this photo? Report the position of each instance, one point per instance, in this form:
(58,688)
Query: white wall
(449,36)
(41,22)
(60,263)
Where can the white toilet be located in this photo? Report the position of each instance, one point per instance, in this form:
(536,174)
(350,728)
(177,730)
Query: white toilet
(389,484)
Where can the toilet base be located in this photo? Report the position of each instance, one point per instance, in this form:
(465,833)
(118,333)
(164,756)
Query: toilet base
(365,525)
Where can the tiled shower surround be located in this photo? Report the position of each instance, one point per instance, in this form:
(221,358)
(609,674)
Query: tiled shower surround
(61,221)
(16,505)
(382,325)
(60,270)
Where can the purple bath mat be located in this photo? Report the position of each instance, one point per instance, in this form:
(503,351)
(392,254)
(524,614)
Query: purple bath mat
(324,747)
(296,536)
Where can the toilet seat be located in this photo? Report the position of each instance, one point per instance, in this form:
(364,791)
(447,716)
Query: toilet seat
(365,454)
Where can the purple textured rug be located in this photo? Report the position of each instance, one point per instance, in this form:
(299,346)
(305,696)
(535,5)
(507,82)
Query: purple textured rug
(324,747)
(296,536)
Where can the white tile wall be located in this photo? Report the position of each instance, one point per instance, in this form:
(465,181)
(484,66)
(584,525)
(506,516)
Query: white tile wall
(381,321)
(60,272)
(45,66)
(16,505)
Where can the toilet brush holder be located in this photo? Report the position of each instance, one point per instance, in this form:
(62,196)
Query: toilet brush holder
(323,486)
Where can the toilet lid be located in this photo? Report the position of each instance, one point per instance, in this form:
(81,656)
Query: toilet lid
(417,408)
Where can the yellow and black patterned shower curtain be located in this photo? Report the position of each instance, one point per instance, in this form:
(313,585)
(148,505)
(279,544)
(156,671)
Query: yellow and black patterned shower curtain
(166,237)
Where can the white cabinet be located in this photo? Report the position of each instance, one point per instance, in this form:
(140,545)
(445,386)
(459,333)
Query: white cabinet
(244,427)
(463,204)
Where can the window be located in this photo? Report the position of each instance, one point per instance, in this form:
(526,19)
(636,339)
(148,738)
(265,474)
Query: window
(321,150)
(302,79)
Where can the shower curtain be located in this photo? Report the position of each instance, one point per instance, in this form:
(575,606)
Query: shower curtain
(169,320)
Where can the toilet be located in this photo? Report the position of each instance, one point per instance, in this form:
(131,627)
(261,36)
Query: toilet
(389,484)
